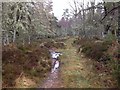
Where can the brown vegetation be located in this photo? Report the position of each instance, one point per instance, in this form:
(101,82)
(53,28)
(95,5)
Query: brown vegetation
(23,59)
(103,53)
(33,60)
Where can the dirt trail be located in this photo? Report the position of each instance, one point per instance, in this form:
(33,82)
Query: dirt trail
(71,65)
(52,81)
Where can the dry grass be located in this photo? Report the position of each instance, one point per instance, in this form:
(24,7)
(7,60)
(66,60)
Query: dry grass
(73,71)
(25,82)
(34,62)
(77,71)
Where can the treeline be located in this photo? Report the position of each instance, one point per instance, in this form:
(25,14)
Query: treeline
(92,20)
(24,22)
(29,21)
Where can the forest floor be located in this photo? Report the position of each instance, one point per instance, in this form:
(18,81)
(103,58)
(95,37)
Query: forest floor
(76,71)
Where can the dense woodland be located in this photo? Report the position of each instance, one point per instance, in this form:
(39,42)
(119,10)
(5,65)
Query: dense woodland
(30,29)
(23,21)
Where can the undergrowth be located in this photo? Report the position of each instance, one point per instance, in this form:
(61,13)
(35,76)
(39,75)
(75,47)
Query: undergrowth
(33,60)
(105,52)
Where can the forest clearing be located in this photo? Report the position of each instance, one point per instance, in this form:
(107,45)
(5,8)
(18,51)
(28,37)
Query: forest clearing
(86,35)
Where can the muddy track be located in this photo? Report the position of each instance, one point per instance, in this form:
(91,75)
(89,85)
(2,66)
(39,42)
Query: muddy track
(53,80)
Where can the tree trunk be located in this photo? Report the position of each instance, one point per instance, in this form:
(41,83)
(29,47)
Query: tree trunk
(29,40)
(84,20)
(84,23)
(23,42)
(14,36)
(7,39)
(4,41)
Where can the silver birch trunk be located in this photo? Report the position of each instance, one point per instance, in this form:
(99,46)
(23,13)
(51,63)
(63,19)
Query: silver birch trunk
(23,42)
(14,36)
(4,41)
(7,39)
(29,40)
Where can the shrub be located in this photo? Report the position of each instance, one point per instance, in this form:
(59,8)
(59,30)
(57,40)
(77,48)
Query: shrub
(110,37)
(10,74)
(24,59)
(94,50)
(106,53)
(117,69)
(82,42)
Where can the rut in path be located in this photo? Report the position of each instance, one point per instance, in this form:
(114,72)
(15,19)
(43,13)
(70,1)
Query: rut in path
(52,81)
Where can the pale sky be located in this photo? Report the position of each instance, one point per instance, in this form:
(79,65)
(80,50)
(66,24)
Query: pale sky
(59,5)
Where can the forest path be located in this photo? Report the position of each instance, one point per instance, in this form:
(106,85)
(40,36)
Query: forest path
(74,71)
(52,81)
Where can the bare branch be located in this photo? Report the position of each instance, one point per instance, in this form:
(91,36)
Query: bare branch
(107,13)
